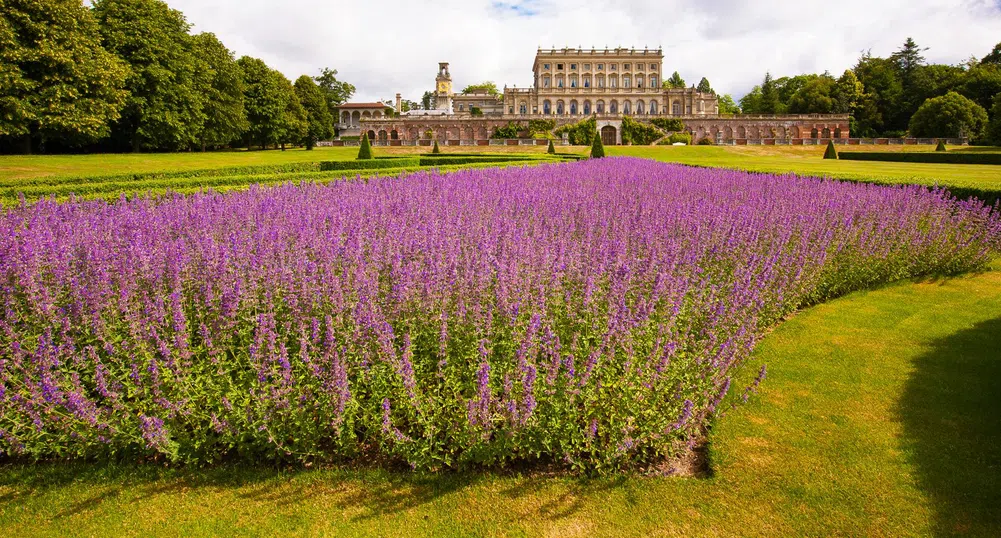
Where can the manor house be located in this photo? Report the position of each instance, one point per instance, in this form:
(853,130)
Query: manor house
(572,84)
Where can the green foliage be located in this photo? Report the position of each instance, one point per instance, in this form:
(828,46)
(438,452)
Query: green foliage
(475,111)
(320,124)
(769,103)
(941,146)
(365,151)
(580,133)
(56,80)
(551,149)
(705,141)
(335,92)
(704,86)
(994,57)
(931,157)
(847,93)
(597,148)
(981,84)
(541,126)
(369,164)
(831,152)
(483,87)
(511,130)
(669,124)
(637,133)
(267,98)
(675,138)
(727,105)
(675,82)
(814,97)
(164,109)
(994,129)
(221,83)
(428,100)
(436,150)
(951,115)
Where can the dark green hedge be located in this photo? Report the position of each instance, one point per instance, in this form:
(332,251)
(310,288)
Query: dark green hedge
(165,174)
(448,159)
(922,157)
(369,164)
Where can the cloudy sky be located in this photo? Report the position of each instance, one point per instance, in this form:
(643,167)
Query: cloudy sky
(390,46)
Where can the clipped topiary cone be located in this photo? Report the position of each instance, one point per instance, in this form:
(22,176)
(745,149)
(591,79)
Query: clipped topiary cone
(365,151)
(831,152)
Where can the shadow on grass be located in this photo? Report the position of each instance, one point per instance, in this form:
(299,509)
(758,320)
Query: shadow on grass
(951,412)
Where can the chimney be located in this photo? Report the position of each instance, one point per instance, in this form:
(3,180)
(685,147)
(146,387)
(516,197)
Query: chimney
(399,104)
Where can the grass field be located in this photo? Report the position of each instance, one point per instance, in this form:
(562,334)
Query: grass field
(878,417)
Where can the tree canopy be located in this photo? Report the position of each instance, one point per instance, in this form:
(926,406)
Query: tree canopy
(221,82)
(483,87)
(675,81)
(320,124)
(951,115)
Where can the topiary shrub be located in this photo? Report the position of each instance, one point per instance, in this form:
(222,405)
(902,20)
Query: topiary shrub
(365,151)
(436,150)
(940,146)
(597,148)
(551,149)
(831,152)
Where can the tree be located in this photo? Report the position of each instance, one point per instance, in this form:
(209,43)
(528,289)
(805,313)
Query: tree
(483,87)
(293,124)
(320,124)
(727,105)
(994,58)
(428,101)
(164,109)
(704,86)
(551,149)
(221,83)
(750,103)
(994,130)
(769,96)
(814,97)
(981,84)
(335,92)
(847,93)
(675,81)
(884,98)
(56,80)
(949,116)
(266,99)
(907,59)
(597,148)
(365,151)
(435,150)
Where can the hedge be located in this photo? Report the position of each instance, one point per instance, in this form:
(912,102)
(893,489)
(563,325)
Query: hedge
(922,157)
(164,174)
(372,164)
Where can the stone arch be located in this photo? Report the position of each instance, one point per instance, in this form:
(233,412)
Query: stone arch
(346,117)
(587,107)
(366,114)
(414,133)
(609,135)
(377,114)
(728,133)
(394,135)
(837,132)
(356,118)
(780,132)
(741,132)
(383,135)
(371,135)
(481,133)
(826,133)
(814,133)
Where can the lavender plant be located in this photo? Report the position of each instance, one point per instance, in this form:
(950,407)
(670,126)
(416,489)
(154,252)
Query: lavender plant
(586,314)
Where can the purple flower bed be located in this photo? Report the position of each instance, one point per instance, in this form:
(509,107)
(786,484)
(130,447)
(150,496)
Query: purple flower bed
(588,314)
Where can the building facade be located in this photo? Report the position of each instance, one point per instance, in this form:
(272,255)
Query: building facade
(570,85)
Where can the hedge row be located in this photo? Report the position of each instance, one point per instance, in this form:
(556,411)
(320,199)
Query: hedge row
(165,174)
(922,157)
(369,164)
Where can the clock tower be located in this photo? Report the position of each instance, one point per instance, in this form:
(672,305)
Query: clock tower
(443,89)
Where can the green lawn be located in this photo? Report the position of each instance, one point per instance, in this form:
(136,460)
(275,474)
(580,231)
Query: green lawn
(807,160)
(879,416)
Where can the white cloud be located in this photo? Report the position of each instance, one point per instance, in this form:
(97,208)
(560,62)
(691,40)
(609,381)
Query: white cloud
(395,46)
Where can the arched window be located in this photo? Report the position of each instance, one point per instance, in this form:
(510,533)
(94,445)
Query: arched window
(613,107)
(676,108)
(653,107)
(600,107)
(559,107)
(573,108)
(587,108)
(547,107)
(639,107)
(626,108)
(523,108)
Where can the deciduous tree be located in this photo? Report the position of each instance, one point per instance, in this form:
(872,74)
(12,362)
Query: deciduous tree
(221,83)
(320,124)
(951,115)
